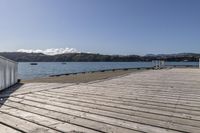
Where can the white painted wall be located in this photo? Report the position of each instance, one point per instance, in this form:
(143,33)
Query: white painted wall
(199,63)
(8,73)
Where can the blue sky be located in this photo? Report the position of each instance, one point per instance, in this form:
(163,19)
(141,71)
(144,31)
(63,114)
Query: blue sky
(101,26)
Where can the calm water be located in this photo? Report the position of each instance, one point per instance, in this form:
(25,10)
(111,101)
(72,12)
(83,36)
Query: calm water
(44,69)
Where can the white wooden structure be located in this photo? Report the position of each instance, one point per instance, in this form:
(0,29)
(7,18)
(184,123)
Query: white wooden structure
(8,73)
(199,63)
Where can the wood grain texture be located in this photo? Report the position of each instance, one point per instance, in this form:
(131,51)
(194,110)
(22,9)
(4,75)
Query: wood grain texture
(154,101)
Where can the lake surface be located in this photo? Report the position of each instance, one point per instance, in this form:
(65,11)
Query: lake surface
(44,69)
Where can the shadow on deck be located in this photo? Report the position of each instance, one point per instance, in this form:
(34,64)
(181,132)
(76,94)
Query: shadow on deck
(5,94)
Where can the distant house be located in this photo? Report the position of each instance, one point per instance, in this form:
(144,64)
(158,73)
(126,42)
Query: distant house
(8,73)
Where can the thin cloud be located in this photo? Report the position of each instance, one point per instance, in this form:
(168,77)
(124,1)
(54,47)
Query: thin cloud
(51,51)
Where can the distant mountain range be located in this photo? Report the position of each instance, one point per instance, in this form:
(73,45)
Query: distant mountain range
(89,57)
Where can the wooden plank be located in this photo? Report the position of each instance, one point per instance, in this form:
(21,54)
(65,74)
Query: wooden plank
(80,106)
(36,87)
(62,107)
(22,125)
(64,116)
(186,102)
(140,91)
(161,101)
(6,129)
(120,100)
(127,92)
(181,109)
(115,106)
(45,121)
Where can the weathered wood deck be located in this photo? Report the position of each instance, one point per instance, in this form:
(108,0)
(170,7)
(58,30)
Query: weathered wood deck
(155,101)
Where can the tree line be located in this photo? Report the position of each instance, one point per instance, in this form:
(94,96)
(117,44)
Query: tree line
(90,57)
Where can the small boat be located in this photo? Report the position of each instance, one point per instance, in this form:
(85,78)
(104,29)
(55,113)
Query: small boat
(64,63)
(33,64)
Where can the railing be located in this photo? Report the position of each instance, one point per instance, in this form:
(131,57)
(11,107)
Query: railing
(158,64)
(8,73)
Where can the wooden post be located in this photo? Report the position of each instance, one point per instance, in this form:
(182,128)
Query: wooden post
(199,63)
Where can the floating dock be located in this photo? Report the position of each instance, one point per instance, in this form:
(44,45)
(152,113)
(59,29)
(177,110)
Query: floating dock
(153,101)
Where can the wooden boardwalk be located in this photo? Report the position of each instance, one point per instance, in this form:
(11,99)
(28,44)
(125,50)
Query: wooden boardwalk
(154,101)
